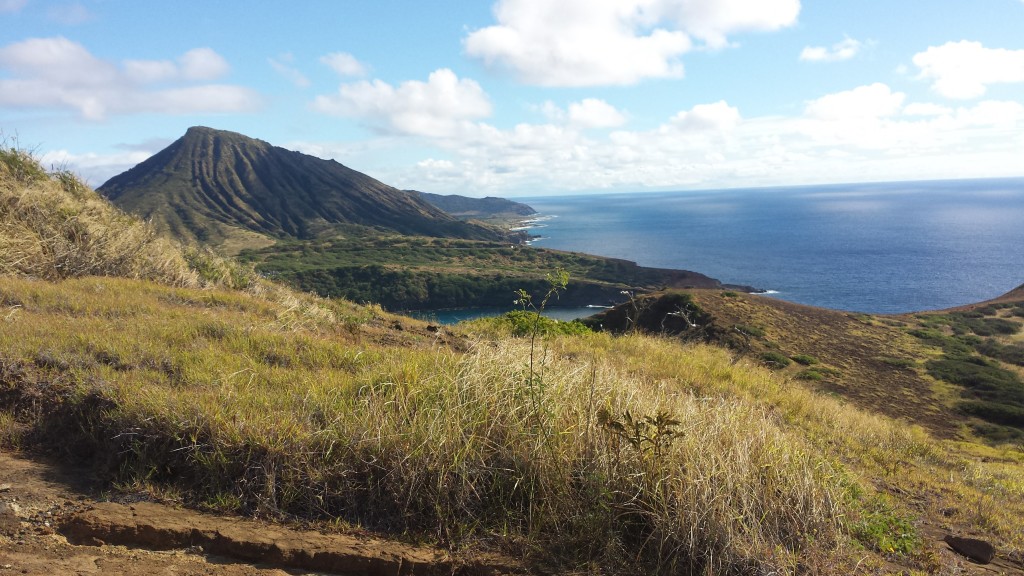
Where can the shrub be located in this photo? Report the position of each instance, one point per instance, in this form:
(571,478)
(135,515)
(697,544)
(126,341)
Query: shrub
(749,330)
(994,412)
(775,360)
(810,374)
(524,322)
(1011,353)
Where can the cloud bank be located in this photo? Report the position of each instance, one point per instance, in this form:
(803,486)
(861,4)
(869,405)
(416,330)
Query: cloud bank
(614,42)
(57,73)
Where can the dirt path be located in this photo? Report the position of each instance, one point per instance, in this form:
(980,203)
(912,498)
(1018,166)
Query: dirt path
(49,524)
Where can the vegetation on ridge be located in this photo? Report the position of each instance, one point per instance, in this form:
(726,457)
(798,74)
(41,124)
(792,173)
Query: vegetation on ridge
(586,452)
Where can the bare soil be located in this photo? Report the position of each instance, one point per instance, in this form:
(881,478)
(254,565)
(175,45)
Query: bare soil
(51,522)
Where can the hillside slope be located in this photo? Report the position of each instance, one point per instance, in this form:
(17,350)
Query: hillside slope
(482,208)
(576,452)
(223,188)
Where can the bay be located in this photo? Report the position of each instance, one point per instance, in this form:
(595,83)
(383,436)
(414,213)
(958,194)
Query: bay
(456,315)
(877,248)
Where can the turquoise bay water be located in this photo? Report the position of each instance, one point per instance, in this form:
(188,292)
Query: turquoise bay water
(880,248)
(453,316)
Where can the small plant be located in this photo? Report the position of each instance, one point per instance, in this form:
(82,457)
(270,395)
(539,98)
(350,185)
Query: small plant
(884,529)
(647,434)
(557,282)
(775,360)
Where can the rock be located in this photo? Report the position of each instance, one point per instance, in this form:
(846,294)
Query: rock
(10,523)
(5,487)
(978,550)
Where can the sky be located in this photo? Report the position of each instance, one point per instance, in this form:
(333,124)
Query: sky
(531,97)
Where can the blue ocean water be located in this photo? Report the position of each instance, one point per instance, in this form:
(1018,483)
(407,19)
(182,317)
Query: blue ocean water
(879,248)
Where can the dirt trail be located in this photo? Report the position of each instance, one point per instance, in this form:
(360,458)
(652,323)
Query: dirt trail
(49,524)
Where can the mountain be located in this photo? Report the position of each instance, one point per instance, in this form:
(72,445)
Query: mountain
(226,189)
(466,207)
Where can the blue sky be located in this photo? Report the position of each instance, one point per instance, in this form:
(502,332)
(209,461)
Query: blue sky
(532,97)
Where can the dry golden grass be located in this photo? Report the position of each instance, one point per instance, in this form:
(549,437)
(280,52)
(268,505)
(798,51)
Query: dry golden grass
(52,226)
(211,392)
(629,454)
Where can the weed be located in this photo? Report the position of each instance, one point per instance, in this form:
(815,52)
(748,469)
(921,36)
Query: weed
(882,528)
(648,433)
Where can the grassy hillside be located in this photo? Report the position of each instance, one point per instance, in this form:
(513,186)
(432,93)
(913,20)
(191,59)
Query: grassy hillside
(583,452)
(959,373)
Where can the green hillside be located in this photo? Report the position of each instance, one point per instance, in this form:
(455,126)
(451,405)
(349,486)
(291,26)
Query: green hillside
(575,451)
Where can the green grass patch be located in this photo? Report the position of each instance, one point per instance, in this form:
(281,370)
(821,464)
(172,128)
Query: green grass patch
(881,527)
(527,322)
(811,375)
(749,330)
(775,360)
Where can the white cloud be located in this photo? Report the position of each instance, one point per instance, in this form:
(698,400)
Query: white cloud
(195,65)
(717,116)
(621,42)
(59,73)
(438,107)
(11,6)
(926,109)
(866,133)
(595,113)
(964,70)
(843,50)
(202,64)
(282,65)
(873,101)
(344,64)
(94,168)
(713,20)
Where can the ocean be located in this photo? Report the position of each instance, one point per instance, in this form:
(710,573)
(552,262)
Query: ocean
(877,248)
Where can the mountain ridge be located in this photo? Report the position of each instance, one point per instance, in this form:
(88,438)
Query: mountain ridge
(220,187)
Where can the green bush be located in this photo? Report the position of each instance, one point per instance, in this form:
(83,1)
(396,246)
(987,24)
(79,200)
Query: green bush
(1011,353)
(964,322)
(524,322)
(994,412)
(775,360)
(810,374)
(749,330)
